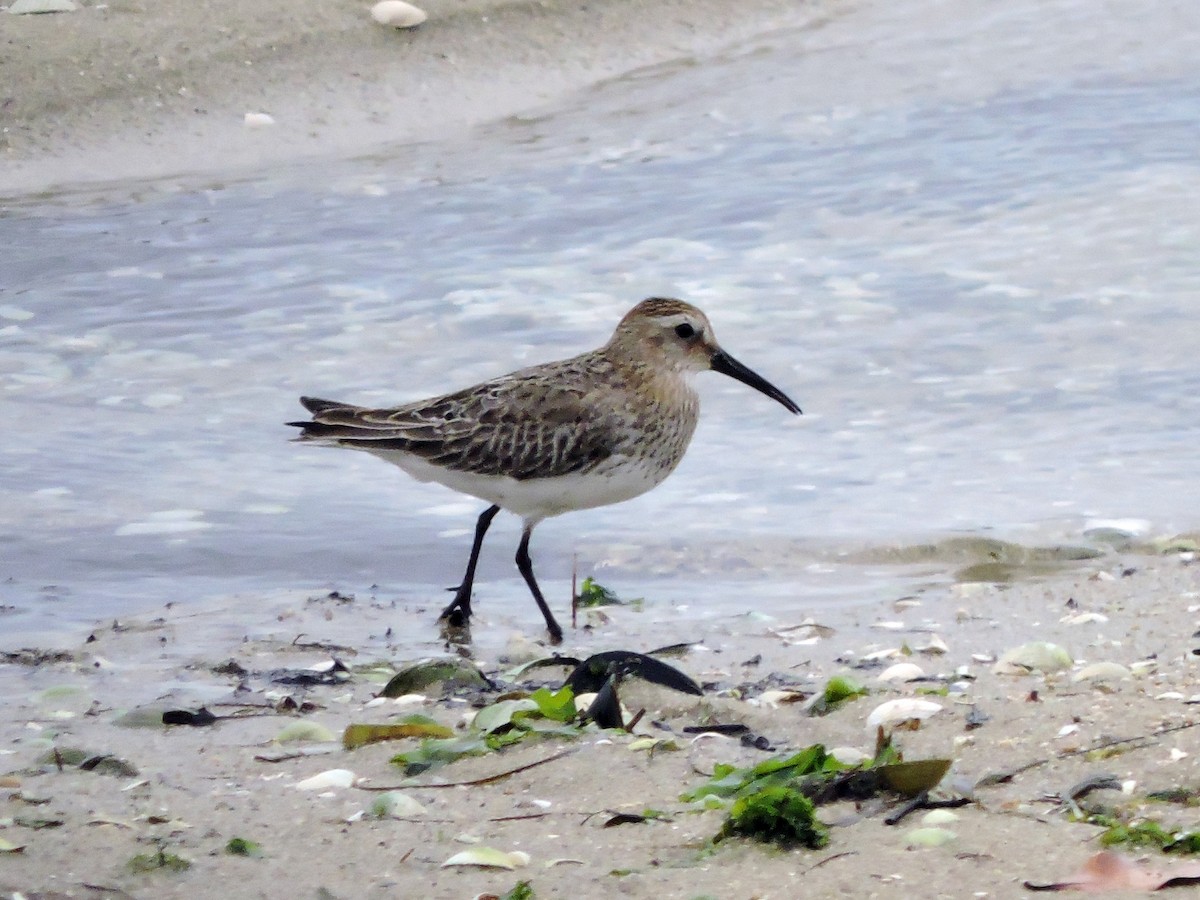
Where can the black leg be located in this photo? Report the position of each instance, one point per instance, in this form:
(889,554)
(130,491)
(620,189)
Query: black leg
(525,566)
(459,610)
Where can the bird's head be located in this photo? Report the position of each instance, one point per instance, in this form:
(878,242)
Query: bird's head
(664,333)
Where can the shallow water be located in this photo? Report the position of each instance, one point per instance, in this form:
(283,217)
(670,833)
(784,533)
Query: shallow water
(966,246)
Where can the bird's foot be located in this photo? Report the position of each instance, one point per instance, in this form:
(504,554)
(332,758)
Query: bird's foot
(455,621)
(458,613)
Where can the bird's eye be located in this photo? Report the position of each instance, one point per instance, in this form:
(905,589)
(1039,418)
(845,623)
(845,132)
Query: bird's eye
(685,331)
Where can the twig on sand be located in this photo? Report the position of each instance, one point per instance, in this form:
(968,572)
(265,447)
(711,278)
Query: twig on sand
(1144,740)
(832,858)
(574,592)
(474,782)
(922,801)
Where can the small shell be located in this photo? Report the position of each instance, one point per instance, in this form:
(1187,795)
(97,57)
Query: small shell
(849,756)
(1102,671)
(1143,666)
(488,858)
(1040,656)
(886,653)
(333,778)
(395,804)
(904,671)
(906,709)
(258,120)
(930,837)
(935,647)
(776,698)
(1087,618)
(937,817)
(397,14)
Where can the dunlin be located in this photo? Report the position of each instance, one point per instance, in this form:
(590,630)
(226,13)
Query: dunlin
(582,432)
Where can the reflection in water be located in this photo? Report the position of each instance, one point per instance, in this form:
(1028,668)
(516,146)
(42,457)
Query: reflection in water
(984,304)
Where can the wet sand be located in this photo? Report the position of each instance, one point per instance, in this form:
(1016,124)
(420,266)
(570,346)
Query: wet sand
(197,788)
(136,89)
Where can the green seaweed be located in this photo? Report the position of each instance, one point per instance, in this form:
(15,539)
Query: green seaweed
(775,800)
(432,753)
(775,814)
(156,862)
(839,690)
(593,594)
(242,847)
(504,723)
(1145,833)
(522,890)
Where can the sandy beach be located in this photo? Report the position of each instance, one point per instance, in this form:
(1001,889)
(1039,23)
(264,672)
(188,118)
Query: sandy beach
(132,89)
(1020,743)
(124,89)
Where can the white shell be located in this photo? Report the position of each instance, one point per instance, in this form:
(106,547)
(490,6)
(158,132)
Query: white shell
(904,671)
(776,698)
(849,756)
(893,712)
(939,817)
(887,653)
(1040,656)
(935,647)
(930,837)
(1085,619)
(395,804)
(1102,671)
(31,7)
(488,858)
(333,778)
(397,14)
(258,120)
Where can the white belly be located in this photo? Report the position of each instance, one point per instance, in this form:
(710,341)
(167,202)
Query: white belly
(535,499)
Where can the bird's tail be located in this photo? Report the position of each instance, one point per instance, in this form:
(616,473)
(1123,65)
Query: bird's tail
(325,423)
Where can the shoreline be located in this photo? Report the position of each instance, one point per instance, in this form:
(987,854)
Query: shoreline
(86,101)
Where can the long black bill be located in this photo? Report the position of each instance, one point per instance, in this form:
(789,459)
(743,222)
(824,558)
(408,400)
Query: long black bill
(725,364)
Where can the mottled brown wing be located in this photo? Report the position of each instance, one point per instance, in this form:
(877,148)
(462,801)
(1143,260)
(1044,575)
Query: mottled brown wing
(520,426)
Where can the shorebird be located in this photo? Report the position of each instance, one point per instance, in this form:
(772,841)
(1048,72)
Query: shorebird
(588,431)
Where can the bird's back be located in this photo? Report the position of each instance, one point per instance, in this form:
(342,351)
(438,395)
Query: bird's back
(584,416)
